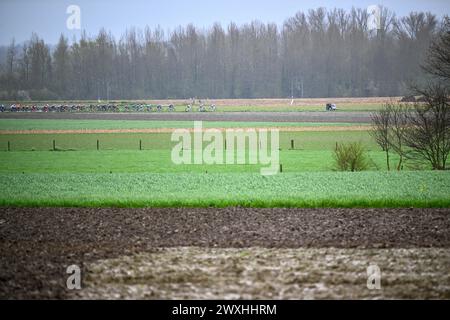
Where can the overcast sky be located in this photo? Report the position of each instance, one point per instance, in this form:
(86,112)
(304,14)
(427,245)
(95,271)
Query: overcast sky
(19,18)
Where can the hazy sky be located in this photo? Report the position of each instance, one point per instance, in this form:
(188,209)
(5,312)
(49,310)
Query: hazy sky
(19,18)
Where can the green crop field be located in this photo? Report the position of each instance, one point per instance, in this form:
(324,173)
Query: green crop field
(336,189)
(75,173)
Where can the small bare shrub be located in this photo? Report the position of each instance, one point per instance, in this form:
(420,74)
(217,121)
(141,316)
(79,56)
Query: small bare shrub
(350,157)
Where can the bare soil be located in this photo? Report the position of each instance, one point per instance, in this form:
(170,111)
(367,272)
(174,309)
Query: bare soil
(261,273)
(37,245)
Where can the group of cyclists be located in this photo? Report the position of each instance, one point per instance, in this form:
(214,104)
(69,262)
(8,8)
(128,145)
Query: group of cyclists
(100,108)
(201,108)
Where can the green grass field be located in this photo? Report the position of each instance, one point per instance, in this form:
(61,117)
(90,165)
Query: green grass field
(47,124)
(158,161)
(119,174)
(320,140)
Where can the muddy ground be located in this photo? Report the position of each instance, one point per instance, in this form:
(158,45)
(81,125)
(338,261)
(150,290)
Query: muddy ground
(353,117)
(37,245)
(261,273)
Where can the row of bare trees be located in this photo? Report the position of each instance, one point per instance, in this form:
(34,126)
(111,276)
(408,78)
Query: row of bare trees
(316,54)
(421,133)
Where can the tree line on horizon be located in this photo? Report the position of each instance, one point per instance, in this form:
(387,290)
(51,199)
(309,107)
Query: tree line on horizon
(322,53)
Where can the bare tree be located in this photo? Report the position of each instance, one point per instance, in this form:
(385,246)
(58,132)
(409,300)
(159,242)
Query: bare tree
(323,53)
(61,66)
(428,135)
(11,57)
(398,130)
(380,131)
(438,60)
(390,125)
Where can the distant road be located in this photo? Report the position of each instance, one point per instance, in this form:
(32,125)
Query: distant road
(353,117)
